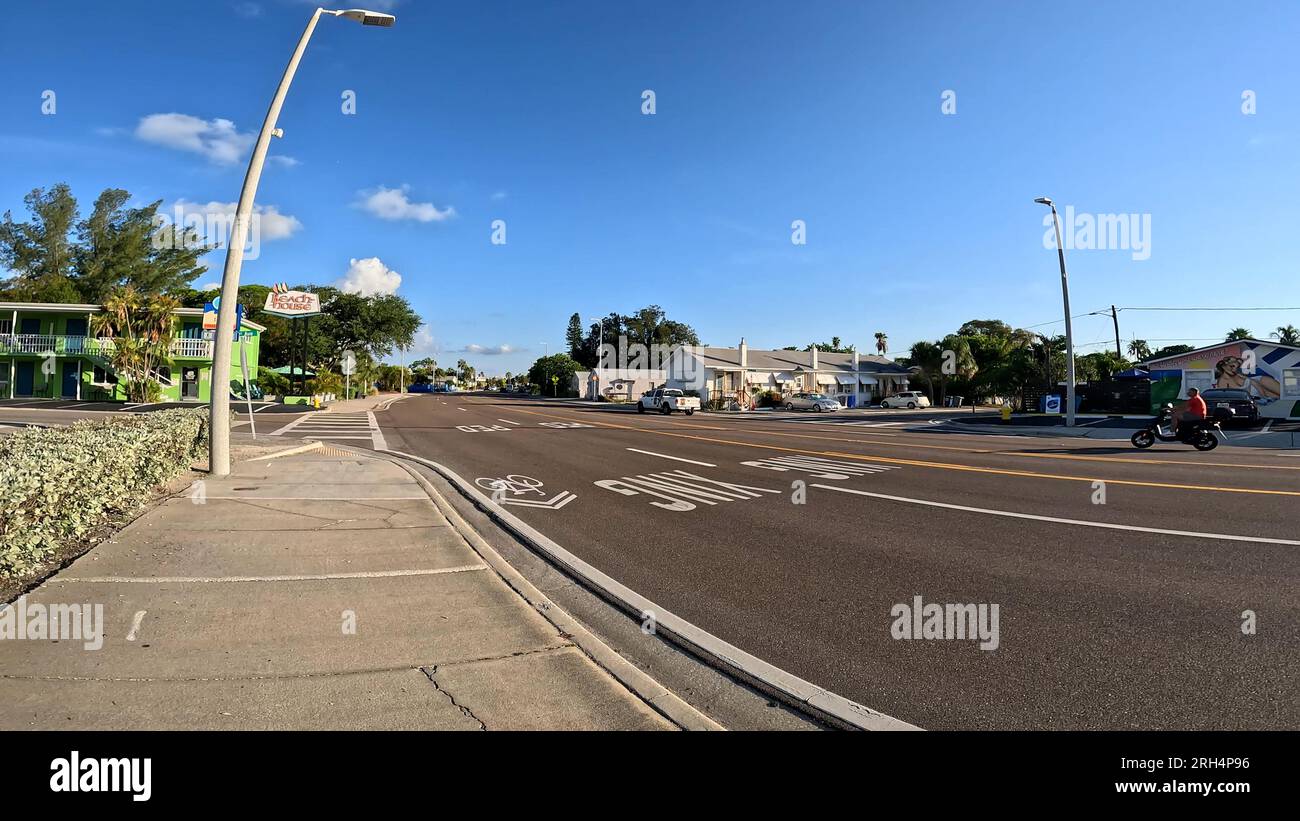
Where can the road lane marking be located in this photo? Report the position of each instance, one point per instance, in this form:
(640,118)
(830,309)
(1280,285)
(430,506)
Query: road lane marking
(674,458)
(683,490)
(135,624)
(508,421)
(816,466)
(295,423)
(943,465)
(1057,520)
(376,574)
(376,435)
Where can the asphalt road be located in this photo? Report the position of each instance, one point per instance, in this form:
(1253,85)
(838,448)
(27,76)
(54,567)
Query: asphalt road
(1115,615)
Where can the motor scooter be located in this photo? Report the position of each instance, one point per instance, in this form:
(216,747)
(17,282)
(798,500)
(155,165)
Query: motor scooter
(1202,434)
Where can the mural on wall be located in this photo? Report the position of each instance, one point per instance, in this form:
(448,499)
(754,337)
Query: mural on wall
(1255,367)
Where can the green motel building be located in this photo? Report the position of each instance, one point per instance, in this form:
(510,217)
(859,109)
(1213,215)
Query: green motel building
(47,352)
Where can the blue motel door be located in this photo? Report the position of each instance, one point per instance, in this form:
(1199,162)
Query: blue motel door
(71,376)
(25,379)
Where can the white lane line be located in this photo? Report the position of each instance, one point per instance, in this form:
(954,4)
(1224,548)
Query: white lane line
(674,458)
(339,436)
(460,409)
(376,435)
(381,574)
(264,407)
(135,624)
(1056,520)
(508,421)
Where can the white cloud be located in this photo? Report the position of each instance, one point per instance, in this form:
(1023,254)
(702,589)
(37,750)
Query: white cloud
(283,160)
(488,350)
(394,204)
(272,225)
(210,286)
(218,139)
(499,196)
(368,277)
(249,10)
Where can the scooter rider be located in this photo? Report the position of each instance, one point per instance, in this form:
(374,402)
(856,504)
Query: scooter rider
(1195,411)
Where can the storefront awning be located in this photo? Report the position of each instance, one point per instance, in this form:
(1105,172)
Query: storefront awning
(757,377)
(870,380)
(846,380)
(825,379)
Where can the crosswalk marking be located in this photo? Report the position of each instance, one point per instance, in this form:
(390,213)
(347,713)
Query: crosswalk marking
(819,467)
(336,426)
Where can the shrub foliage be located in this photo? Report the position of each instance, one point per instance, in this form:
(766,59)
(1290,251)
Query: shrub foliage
(57,484)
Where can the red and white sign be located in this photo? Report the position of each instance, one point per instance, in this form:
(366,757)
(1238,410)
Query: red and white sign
(283,302)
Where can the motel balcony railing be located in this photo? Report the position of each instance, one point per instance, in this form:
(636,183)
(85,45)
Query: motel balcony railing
(39,344)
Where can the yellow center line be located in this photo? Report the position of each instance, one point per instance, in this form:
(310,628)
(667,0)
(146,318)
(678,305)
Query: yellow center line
(999,452)
(938,465)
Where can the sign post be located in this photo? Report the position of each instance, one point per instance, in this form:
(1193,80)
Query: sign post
(349,365)
(555,385)
(294,305)
(248,393)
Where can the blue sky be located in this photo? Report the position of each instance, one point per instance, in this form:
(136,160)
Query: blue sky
(766,113)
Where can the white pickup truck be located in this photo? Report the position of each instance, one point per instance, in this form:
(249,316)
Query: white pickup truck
(667,400)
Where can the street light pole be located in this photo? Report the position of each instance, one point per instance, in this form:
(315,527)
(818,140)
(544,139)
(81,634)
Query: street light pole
(1069,331)
(219,415)
(599,342)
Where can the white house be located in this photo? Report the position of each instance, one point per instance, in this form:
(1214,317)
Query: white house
(854,378)
(617,384)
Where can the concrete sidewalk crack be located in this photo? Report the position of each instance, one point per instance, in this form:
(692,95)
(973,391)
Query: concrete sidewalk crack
(432,673)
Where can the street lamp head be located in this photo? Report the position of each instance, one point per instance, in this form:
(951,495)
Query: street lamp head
(366,17)
(1044,201)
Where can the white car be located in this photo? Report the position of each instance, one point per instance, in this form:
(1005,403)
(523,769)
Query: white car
(906,399)
(811,401)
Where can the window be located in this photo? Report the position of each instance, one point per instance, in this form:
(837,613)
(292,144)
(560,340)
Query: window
(1291,382)
(6,326)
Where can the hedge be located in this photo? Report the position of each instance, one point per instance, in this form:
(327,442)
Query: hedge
(57,484)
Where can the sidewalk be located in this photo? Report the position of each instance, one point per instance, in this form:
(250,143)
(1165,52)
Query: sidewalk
(321,590)
(365,403)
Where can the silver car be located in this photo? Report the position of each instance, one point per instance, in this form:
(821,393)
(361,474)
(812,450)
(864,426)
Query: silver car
(811,401)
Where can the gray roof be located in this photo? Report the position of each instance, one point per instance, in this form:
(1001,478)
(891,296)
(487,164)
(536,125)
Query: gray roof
(761,360)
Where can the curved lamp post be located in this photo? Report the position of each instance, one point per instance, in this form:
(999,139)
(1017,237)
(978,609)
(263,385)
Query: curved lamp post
(1069,333)
(219,441)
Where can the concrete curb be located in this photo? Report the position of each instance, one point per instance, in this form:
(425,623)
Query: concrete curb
(786,687)
(658,697)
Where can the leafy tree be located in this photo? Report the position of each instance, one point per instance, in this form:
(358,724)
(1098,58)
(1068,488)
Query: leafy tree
(559,365)
(40,252)
(115,247)
(573,336)
(120,246)
(1239,333)
(142,328)
(1287,335)
(1139,350)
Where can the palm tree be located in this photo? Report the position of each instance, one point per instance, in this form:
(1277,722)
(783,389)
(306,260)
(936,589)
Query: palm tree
(882,343)
(1239,333)
(1139,350)
(1287,335)
(142,329)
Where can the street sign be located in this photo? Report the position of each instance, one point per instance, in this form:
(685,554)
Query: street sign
(283,302)
(210,318)
(349,363)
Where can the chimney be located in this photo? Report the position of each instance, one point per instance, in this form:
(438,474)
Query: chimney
(856,360)
(814,356)
(744,355)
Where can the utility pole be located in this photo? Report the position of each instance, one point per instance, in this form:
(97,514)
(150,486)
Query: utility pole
(1114,315)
